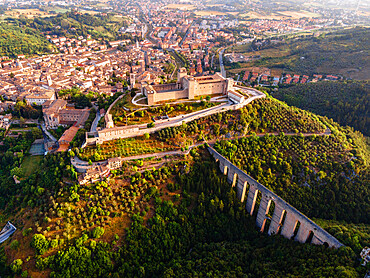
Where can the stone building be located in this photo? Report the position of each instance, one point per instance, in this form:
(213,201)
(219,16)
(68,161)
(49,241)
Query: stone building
(187,87)
(94,174)
(57,113)
(40,95)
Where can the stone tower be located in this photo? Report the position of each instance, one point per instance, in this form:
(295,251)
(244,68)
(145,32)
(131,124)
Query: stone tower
(180,74)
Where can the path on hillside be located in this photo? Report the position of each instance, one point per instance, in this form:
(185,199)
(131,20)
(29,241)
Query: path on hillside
(95,123)
(82,166)
(48,133)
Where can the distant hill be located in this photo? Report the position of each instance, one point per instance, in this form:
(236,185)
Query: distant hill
(345,102)
(16,40)
(73,24)
(344,52)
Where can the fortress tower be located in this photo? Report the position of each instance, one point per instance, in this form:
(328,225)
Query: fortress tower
(180,74)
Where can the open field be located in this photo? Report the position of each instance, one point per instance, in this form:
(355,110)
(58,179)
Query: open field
(300,14)
(208,13)
(280,15)
(29,13)
(30,164)
(145,116)
(184,7)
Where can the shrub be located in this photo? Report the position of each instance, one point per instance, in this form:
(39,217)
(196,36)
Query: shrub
(14,244)
(16,266)
(40,243)
(26,232)
(98,232)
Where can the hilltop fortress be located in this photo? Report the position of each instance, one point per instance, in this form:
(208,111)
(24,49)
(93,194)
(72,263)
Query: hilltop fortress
(189,87)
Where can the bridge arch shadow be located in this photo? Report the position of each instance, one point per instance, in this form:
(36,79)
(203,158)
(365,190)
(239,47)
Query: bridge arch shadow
(309,237)
(268,216)
(281,221)
(257,202)
(296,229)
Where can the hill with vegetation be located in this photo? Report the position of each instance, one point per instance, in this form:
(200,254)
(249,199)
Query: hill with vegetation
(262,116)
(183,219)
(345,102)
(322,176)
(344,52)
(16,40)
(165,223)
(74,24)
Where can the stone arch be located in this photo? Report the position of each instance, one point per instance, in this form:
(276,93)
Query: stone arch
(257,202)
(326,244)
(251,202)
(235,180)
(282,221)
(269,212)
(310,237)
(297,225)
(225,170)
(245,191)
(270,208)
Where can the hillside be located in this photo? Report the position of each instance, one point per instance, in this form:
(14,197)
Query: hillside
(179,225)
(344,52)
(74,24)
(345,102)
(22,40)
(322,176)
(177,216)
(262,116)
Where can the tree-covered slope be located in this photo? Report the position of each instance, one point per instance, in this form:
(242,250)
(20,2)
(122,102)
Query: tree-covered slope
(322,176)
(344,52)
(207,233)
(347,103)
(74,24)
(184,220)
(22,40)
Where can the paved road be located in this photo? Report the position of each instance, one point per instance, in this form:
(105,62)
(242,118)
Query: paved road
(7,231)
(222,67)
(48,133)
(95,123)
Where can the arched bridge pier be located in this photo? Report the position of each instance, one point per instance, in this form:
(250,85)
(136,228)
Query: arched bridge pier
(273,214)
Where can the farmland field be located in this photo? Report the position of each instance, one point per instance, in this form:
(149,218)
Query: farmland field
(280,15)
(184,7)
(29,13)
(343,52)
(207,13)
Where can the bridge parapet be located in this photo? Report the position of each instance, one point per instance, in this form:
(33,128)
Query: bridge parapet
(281,217)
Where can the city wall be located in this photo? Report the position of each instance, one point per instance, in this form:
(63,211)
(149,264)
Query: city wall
(285,219)
(164,96)
(107,134)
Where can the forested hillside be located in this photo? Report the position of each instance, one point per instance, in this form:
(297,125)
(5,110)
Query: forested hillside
(183,219)
(266,115)
(22,40)
(74,24)
(344,52)
(347,103)
(205,232)
(322,176)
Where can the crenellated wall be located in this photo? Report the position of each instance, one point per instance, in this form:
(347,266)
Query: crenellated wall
(284,218)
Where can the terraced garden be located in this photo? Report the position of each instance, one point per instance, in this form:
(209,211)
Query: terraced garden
(125,147)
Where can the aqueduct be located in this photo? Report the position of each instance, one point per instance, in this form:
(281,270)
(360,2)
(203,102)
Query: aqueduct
(274,215)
